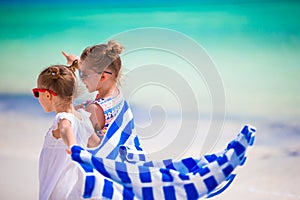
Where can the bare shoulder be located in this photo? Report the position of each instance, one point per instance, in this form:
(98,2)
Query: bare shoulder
(97,116)
(94,108)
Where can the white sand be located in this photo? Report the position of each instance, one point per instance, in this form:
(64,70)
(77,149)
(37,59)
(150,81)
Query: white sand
(21,142)
(271,170)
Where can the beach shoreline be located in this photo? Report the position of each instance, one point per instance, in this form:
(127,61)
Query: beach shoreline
(270,172)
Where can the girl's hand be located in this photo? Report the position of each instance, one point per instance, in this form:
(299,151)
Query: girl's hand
(69,151)
(79,106)
(70,57)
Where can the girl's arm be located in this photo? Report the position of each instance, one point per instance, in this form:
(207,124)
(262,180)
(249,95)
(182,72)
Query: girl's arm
(97,116)
(66,133)
(70,57)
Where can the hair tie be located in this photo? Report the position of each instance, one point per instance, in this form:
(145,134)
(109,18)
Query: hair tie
(54,72)
(73,66)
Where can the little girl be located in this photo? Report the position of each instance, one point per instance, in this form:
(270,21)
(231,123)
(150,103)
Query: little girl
(100,67)
(56,86)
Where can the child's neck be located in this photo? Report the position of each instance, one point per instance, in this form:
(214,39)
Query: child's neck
(111,92)
(68,108)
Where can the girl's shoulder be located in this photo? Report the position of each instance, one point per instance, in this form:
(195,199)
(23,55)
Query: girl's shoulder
(64,115)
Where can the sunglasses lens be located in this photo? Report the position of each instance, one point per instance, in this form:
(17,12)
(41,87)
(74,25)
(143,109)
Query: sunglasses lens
(36,94)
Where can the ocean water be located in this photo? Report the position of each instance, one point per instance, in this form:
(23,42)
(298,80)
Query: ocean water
(254,46)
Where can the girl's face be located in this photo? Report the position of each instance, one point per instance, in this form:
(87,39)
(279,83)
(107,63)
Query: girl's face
(90,78)
(45,101)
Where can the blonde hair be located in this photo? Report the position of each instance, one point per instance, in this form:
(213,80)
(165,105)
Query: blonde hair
(103,56)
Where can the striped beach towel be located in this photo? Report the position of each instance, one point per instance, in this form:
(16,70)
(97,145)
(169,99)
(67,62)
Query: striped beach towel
(188,178)
(120,141)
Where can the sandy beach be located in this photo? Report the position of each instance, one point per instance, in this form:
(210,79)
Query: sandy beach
(21,142)
(270,172)
(272,168)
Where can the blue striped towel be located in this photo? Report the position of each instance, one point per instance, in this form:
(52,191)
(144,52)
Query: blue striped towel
(188,178)
(120,141)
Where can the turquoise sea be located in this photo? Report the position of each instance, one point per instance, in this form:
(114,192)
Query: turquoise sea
(255,46)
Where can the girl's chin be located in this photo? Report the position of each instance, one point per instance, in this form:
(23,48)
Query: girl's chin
(90,90)
(48,110)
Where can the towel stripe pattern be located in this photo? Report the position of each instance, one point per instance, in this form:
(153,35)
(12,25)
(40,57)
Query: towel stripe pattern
(120,141)
(188,178)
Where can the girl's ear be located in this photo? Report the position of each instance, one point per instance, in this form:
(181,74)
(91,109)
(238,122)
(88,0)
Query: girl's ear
(103,77)
(48,95)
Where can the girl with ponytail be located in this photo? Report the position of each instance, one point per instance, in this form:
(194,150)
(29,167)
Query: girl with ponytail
(56,88)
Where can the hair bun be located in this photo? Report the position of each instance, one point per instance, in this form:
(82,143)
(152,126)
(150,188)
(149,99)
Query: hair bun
(54,72)
(74,66)
(114,49)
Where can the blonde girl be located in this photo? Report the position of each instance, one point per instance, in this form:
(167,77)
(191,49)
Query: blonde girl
(100,67)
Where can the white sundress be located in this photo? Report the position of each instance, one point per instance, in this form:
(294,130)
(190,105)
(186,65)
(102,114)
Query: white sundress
(58,175)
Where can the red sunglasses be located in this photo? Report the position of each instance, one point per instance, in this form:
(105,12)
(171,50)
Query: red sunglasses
(36,92)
